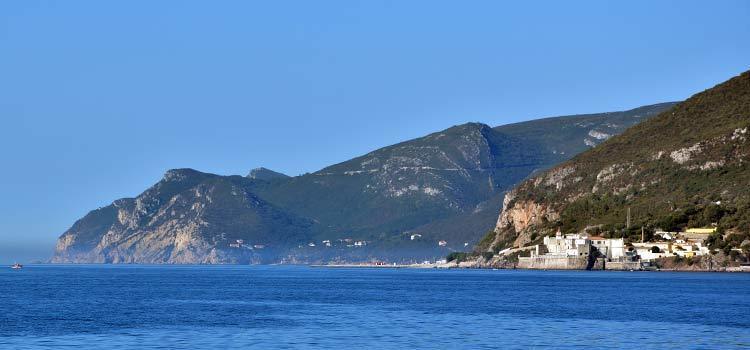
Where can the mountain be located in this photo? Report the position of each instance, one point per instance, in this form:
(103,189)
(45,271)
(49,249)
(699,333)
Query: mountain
(686,167)
(445,186)
(265,174)
(187,217)
(564,137)
(389,193)
(398,202)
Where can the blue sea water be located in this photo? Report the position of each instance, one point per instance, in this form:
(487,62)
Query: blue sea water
(288,307)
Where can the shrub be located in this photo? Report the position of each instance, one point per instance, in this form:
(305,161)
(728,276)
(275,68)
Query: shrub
(486,241)
(457,256)
(734,255)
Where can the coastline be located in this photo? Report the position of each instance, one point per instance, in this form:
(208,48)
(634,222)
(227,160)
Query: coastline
(473,264)
(380,266)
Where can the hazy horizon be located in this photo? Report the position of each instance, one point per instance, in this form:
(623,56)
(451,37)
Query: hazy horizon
(101,98)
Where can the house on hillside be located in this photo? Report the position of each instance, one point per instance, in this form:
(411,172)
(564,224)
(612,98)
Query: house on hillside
(653,250)
(237,243)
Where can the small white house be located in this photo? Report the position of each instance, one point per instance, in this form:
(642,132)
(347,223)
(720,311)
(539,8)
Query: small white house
(645,250)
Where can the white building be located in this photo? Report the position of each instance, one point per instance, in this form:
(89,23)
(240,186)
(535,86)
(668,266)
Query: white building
(611,248)
(646,250)
(679,247)
(578,245)
(237,243)
(571,245)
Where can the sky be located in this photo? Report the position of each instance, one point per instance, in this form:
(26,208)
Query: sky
(99,98)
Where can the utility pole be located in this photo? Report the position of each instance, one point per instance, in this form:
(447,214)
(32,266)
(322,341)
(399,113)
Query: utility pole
(627,224)
(641,234)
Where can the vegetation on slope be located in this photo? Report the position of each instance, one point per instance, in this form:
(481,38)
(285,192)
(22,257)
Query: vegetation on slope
(687,167)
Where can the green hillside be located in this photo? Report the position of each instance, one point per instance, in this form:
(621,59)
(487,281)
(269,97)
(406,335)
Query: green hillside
(687,167)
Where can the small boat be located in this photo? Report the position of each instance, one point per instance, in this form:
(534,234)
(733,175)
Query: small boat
(16,266)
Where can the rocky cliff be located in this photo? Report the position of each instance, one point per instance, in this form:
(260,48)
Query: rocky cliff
(187,217)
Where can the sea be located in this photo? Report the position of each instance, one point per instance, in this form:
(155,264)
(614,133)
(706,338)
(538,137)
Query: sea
(301,307)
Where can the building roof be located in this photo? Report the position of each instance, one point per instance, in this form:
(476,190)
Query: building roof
(701,230)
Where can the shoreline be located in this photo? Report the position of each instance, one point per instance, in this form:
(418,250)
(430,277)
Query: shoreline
(475,267)
(389,266)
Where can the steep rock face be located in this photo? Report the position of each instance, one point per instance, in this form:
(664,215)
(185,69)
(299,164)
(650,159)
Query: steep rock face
(518,218)
(187,217)
(686,167)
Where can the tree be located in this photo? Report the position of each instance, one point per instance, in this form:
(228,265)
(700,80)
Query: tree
(746,249)
(655,249)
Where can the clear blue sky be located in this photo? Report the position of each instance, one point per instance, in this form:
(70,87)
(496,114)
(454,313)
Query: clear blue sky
(99,98)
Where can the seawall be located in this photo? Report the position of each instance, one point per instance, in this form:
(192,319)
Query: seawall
(552,263)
